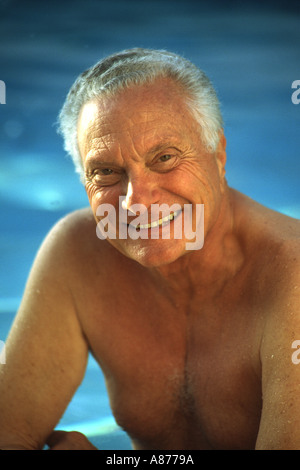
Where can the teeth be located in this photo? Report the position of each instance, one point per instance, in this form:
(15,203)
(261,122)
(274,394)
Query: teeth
(158,222)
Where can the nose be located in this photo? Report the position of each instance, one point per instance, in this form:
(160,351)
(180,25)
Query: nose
(141,190)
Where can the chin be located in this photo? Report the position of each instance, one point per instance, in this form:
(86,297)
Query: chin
(154,254)
(161,258)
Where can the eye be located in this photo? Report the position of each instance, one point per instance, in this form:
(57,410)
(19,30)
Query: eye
(103,176)
(165,158)
(165,162)
(106,171)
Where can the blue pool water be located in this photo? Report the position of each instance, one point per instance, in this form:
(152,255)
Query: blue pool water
(250,50)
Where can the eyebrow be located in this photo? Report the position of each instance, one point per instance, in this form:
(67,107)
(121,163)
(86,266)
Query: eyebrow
(161,146)
(95,158)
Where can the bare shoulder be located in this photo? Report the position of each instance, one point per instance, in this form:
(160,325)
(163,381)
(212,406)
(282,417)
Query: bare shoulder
(272,239)
(271,242)
(77,249)
(75,234)
(73,226)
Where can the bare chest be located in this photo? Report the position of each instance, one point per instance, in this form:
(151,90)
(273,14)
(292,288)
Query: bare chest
(177,382)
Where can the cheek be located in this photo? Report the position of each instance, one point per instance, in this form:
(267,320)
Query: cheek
(93,195)
(98,196)
(210,175)
(198,179)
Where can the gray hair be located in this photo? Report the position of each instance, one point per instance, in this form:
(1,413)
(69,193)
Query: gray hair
(137,67)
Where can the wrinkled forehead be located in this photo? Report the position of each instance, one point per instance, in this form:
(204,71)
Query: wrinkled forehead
(140,110)
(164,96)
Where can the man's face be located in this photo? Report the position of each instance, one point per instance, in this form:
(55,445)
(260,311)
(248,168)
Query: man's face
(145,146)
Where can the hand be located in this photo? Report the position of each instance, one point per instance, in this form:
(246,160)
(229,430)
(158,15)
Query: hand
(63,440)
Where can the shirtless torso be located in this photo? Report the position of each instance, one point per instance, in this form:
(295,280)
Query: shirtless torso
(183,368)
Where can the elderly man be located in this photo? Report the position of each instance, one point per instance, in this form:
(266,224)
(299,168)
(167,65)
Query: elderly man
(195,342)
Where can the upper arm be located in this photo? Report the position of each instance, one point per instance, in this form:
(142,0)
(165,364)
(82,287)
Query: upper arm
(46,352)
(280,420)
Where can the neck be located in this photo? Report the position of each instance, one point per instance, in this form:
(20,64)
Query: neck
(207,270)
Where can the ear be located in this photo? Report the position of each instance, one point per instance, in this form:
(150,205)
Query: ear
(221,155)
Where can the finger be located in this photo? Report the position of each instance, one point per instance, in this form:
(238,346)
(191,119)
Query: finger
(55,438)
(73,440)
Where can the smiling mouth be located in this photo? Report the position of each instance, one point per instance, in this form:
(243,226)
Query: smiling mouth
(158,223)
